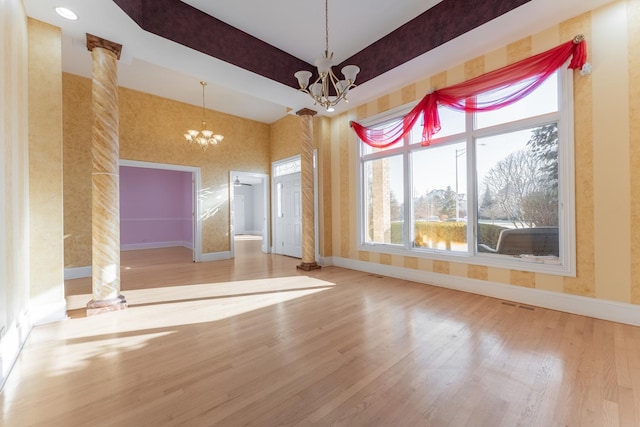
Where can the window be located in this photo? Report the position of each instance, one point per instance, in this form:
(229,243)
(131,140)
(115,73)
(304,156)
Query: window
(287,167)
(384,193)
(439,197)
(492,186)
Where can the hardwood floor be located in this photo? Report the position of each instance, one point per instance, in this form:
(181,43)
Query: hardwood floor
(252,341)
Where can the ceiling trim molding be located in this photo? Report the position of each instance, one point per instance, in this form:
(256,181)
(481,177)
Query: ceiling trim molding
(188,26)
(442,23)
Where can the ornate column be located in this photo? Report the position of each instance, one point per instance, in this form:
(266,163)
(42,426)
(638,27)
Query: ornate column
(105,206)
(308,220)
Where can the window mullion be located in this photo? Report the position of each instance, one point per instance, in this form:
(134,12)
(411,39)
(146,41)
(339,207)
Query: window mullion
(472,205)
(472,198)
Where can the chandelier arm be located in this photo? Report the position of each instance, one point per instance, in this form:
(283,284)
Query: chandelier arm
(341,93)
(325,86)
(316,99)
(334,81)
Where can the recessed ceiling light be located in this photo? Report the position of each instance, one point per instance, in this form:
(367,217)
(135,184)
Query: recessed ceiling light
(66,13)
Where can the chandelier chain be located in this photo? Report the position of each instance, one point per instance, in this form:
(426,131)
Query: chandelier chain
(203,109)
(326,26)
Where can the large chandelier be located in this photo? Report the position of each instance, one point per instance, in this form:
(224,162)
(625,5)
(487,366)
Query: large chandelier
(327,90)
(204,138)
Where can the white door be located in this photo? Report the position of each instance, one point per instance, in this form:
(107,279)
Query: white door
(288,233)
(238,214)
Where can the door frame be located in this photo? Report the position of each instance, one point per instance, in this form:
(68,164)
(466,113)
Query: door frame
(196,209)
(266,222)
(315,196)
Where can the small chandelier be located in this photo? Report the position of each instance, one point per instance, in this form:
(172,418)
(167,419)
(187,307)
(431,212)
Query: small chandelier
(327,80)
(204,138)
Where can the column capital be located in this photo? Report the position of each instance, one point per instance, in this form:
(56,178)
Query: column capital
(306,112)
(95,41)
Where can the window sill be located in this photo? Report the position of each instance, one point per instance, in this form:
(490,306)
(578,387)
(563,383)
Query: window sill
(536,264)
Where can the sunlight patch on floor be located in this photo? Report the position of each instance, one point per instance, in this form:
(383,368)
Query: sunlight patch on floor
(80,355)
(211,291)
(160,312)
(247,237)
(166,307)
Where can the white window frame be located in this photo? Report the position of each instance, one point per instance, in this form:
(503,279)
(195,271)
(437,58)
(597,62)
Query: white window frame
(566,193)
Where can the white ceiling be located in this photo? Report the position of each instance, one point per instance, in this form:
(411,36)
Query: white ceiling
(152,64)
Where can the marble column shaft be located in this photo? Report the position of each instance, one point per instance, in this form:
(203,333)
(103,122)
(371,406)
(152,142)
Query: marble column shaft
(308,194)
(105,209)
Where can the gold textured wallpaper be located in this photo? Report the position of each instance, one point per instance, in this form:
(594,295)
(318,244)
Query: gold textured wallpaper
(607,158)
(45,165)
(151,130)
(634,142)
(323,126)
(285,138)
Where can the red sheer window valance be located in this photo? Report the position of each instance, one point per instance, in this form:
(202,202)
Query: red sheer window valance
(521,78)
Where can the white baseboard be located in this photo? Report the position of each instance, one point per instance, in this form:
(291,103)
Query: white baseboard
(215,256)
(325,261)
(10,345)
(77,272)
(155,245)
(249,233)
(585,306)
(16,335)
(80,272)
(48,312)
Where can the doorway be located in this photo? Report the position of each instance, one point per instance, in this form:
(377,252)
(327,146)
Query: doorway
(287,207)
(181,226)
(249,208)
(240,220)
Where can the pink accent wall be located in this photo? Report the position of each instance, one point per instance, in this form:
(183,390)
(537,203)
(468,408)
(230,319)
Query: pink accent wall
(155,207)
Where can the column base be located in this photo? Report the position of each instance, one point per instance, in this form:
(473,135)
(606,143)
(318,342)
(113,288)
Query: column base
(308,266)
(105,306)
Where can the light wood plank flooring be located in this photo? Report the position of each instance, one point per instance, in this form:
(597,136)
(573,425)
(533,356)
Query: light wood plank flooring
(252,341)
